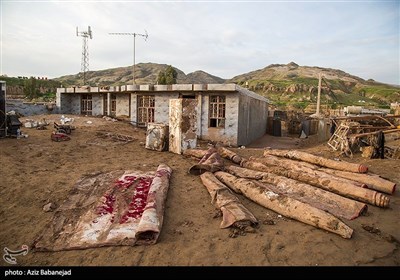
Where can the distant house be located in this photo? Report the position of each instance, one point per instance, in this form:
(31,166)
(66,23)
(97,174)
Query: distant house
(226,113)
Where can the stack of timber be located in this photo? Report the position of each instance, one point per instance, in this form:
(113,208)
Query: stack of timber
(311,189)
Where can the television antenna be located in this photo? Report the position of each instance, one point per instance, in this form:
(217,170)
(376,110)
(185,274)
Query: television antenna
(85,50)
(145,36)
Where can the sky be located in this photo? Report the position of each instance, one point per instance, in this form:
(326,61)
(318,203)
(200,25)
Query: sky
(223,38)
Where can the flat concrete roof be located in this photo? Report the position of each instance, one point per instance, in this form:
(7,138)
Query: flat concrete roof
(162,88)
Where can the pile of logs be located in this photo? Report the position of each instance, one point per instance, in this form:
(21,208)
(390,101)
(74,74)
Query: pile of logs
(311,189)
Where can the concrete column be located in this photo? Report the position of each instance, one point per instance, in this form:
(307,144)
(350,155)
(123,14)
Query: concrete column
(108,104)
(199,113)
(58,102)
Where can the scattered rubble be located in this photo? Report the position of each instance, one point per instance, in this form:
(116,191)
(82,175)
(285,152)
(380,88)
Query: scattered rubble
(49,207)
(375,136)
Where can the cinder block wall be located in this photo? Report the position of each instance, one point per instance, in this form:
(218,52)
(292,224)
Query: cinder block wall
(75,104)
(228,134)
(161,110)
(97,104)
(122,104)
(69,103)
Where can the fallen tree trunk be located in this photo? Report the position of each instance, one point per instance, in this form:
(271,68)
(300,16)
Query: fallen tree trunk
(299,166)
(372,181)
(335,204)
(286,206)
(233,211)
(339,187)
(245,172)
(279,161)
(339,165)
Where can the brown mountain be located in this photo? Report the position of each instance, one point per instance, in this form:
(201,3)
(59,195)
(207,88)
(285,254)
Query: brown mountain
(145,73)
(201,77)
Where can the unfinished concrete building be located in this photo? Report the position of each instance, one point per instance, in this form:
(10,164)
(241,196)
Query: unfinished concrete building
(225,113)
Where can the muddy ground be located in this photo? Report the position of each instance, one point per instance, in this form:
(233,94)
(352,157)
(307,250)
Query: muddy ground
(36,170)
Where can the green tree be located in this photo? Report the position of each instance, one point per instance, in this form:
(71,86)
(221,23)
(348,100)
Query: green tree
(31,89)
(167,77)
(170,75)
(161,78)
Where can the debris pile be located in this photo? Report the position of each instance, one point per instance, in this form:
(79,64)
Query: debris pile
(63,129)
(61,132)
(106,138)
(40,125)
(375,136)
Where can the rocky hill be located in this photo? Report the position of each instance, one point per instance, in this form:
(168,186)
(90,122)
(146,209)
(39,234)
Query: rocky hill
(145,73)
(293,84)
(201,77)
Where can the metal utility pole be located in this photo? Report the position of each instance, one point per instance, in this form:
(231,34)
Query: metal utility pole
(134,46)
(317,113)
(85,51)
(319,93)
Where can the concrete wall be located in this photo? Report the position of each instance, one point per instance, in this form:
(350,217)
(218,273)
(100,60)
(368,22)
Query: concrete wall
(97,104)
(122,104)
(161,110)
(69,103)
(227,135)
(252,119)
(75,104)
(28,109)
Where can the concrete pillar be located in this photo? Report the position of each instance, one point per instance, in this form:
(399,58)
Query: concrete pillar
(108,104)
(199,112)
(58,102)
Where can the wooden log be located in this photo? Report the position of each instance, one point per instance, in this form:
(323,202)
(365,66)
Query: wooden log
(339,165)
(233,211)
(371,181)
(301,166)
(338,187)
(333,203)
(228,154)
(245,172)
(279,161)
(285,205)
